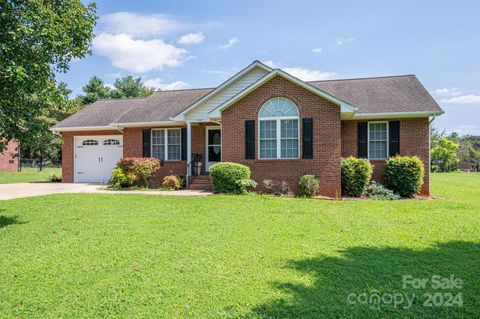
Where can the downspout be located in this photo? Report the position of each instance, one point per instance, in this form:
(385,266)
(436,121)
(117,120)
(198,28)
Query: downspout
(430,152)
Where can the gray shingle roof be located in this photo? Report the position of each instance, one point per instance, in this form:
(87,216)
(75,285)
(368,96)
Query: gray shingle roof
(391,94)
(403,93)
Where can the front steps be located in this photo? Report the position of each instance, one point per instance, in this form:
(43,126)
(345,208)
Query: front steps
(201,182)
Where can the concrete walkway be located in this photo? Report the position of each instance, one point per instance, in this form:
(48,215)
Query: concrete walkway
(20,190)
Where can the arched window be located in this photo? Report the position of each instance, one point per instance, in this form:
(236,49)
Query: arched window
(279,129)
(89,142)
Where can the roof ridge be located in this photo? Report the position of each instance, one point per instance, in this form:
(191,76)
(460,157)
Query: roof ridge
(124,98)
(364,78)
(192,89)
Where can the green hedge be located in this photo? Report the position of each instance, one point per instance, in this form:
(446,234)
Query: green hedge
(356,175)
(226,176)
(404,175)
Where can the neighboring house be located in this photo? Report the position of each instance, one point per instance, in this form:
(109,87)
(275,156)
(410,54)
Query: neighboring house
(9,158)
(279,126)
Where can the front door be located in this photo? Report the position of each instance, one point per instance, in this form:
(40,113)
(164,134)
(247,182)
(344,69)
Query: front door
(214,146)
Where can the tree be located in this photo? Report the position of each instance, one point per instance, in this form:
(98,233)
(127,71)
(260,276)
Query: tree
(95,89)
(42,143)
(444,154)
(130,87)
(38,38)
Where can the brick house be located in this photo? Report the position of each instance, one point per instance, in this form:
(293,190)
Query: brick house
(279,126)
(8,158)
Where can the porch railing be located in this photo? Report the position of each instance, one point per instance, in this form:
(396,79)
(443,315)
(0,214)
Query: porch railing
(193,168)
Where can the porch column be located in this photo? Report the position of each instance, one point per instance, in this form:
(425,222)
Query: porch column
(189,147)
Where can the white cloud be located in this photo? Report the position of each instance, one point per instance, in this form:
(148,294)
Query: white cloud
(317,50)
(158,84)
(192,38)
(138,55)
(342,41)
(138,24)
(447,92)
(230,43)
(310,75)
(462,99)
(304,74)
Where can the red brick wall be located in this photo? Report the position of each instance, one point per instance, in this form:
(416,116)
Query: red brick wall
(9,158)
(326,137)
(67,151)
(414,134)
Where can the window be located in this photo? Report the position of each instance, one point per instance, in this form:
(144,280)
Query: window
(89,142)
(166,144)
(279,129)
(378,140)
(111,142)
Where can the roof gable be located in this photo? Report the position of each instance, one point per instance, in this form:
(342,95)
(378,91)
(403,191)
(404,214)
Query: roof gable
(230,88)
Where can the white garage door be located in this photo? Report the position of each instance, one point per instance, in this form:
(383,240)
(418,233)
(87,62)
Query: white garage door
(96,157)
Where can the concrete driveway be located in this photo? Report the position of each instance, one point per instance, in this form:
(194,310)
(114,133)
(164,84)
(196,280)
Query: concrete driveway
(20,190)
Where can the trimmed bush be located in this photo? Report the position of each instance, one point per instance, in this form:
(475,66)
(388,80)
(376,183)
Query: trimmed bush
(121,180)
(380,192)
(142,168)
(356,175)
(404,175)
(226,177)
(308,185)
(183,181)
(171,182)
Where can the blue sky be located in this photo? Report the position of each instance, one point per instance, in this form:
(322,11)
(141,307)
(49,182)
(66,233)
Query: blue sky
(191,44)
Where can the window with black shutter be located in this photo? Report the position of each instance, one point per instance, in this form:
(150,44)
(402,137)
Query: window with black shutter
(250,139)
(307,137)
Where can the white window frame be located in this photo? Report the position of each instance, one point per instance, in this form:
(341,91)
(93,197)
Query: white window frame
(165,141)
(278,120)
(368,141)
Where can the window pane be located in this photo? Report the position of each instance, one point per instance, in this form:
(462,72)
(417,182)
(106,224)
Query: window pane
(289,128)
(268,129)
(158,151)
(278,106)
(378,150)
(289,148)
(158,137)
(268,149)
(173,147)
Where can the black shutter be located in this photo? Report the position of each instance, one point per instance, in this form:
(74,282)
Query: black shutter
(184,143)
(250,139)
(307,138)
(362,139)
(146,143)
(394,138)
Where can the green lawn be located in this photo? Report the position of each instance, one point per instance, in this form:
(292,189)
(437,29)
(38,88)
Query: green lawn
(29,175)
(140,256)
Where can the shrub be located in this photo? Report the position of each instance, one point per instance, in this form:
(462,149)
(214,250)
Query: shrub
(247,183)
(356,175)
(183,181)
(308,185)
(225,177)
(171,182)
(380,192)
(142,168)
(404,175)
(121,180)
(55,178)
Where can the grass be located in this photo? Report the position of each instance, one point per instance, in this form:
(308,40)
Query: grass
(140,256)
(29,175)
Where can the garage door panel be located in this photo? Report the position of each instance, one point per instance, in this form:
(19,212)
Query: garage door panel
(96,157)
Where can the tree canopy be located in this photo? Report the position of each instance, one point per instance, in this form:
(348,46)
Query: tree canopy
(129,86)
(95,89)
(38,39)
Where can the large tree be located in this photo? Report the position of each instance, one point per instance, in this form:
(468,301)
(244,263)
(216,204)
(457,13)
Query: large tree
(38,38)
(95,89)
(43,144)
(129,86)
